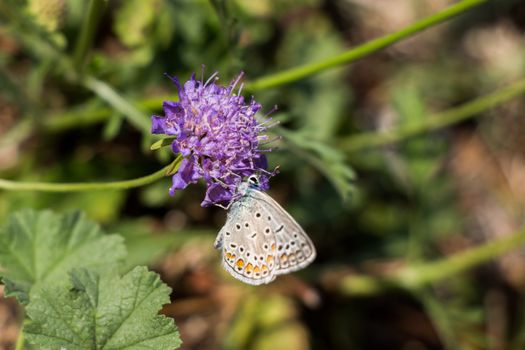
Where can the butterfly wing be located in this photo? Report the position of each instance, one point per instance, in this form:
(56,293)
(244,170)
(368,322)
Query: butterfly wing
(247,243)
(294,250)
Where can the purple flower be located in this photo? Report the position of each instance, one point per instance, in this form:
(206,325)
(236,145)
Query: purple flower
(218,136)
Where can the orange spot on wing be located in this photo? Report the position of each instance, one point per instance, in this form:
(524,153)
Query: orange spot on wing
(264,268)
(256,269)
(273,247)
(249,268)
(240,263)
(269,259)
(284,257)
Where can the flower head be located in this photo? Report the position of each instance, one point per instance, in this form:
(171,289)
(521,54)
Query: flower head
(218,136)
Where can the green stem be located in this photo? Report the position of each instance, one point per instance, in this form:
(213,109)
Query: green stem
(87,33)
(360,51)
(20,341)
(88,116)
(416,277)
(86,186)
(136,117)
(437,121)
(440,318)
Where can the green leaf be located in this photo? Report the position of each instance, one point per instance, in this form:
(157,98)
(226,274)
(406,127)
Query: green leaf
(133,21)
(38,248)
(103,311)
(162,143)
(327,160)
(174,166)
(112,127)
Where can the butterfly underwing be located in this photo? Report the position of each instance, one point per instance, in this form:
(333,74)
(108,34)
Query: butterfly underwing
(260,240)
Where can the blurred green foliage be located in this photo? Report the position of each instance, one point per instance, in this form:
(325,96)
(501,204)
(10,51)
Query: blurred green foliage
(369,212)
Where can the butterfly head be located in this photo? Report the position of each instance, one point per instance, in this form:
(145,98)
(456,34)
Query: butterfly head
(252,182)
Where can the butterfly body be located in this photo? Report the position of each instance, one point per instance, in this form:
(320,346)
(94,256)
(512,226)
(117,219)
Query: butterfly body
(260,240)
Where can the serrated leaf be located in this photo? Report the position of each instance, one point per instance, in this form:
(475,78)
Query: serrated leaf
(103,311)
(38,248)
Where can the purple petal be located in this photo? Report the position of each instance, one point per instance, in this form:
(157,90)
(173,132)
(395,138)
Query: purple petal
(175,81)
(172,128)
(186,174)
(175,147)
(173,109)
(264,183)
(216,194)
(261,162)
(158,125)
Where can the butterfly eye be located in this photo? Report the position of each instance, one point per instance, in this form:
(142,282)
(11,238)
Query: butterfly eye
(253,180)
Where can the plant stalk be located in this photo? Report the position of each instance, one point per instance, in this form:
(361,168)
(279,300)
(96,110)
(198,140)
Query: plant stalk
(413,278)
(437,121)
(297,73)
(87,33)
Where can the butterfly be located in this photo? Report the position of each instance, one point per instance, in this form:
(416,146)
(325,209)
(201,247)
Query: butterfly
(260,240)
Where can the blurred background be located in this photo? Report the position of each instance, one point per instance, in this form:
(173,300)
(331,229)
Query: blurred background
(369,212)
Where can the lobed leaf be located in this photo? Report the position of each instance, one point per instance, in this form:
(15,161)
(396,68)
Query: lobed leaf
(40,248)
(103,311)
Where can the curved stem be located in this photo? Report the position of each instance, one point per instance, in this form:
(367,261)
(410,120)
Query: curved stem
(355,143)
(360,51)
(86,116)
(452,116)
(86,186)
(413,278)
(69,120)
